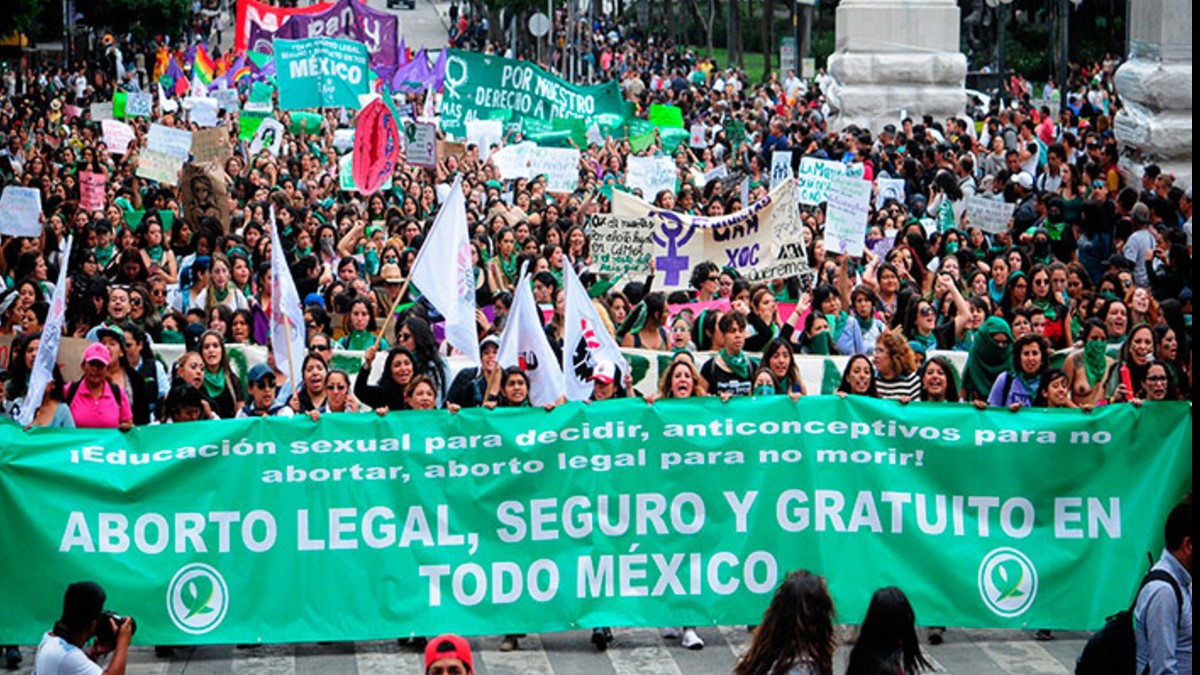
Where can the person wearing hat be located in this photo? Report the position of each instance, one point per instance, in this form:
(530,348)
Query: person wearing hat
(1025,215)
(1139,243)
(96,402)
(605,378)
(263,390)
(448,654)
(470,386)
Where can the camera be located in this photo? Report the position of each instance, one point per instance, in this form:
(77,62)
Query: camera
(105,634)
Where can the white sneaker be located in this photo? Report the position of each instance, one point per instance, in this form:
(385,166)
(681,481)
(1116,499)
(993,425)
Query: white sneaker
(691,640)
(672,633)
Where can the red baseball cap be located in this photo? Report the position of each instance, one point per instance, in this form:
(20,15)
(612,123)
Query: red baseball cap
(448,646)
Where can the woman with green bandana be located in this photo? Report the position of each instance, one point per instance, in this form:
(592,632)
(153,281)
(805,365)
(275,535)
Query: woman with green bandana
(1018,387)
(990,356)
(1058,324)
(154,252)
(221,290)
(728,373)
(1087,368)
(361,330)
(221,387)
(504,267)
(1126,381)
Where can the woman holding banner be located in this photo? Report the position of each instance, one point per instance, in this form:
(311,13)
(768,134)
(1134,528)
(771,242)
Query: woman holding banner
(221,386)
(388,395)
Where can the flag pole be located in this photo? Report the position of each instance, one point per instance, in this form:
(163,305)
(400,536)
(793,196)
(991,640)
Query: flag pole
(287,323)
(396,305)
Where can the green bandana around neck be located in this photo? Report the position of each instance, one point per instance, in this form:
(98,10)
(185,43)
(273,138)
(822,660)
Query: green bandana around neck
(214,383)
(739,365)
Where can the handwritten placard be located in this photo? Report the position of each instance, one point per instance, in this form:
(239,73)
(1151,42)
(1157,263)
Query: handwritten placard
(117,136)
(170,141)
(91,191)
(989,215)
(20,212)
(559,165)
(423,145)
(211,145)
(651,175)
(781,167)
(848,202)
(812,186)
(138,105)
(159,166)
(621,245)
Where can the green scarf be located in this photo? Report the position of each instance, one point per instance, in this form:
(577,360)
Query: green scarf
(104,254)
(1031,383)
(214,383)
(820,344)
(1055,230)
(1047,308)
(865,324)
(739,365)
(923,343)
(170,337)
(156,253)
(508,266)
(1095,360)
(220,293)
(986,360)
(837,324)
(360,340)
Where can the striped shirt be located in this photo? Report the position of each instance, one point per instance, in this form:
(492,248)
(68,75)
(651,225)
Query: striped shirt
(897,388)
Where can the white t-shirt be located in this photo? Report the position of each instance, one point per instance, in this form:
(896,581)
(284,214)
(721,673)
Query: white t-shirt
(56,656)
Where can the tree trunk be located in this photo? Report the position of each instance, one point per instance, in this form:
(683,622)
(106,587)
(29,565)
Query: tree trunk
(669,10)
(768,33)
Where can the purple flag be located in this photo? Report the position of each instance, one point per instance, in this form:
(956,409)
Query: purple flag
(351,21)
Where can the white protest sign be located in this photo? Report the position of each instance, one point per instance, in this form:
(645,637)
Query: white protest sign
(117,136)
(651,175)
(170,141)
(227,99)
(848,202)
(989,215)
(269,137)
(159,166)
(422,149)
(621,245)
(594,137)
(716,174)
(889,188)
(812,186)
(138,105)
(343,140)
(512,161)
(485,134)
(20,212)
(781,167)
(560,166)
(101,111)
(698,136)
(204,110)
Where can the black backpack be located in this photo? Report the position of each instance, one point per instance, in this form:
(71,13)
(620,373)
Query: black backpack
(1113,649)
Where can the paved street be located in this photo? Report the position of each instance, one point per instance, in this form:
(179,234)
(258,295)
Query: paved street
(634,651)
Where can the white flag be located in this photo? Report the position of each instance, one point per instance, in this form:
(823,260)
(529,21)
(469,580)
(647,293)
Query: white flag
(287,316)
(445,276)
(47,354)
(586,341)
(524,344)
(165,104)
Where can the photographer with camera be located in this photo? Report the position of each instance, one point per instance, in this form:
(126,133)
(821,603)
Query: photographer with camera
(83,617)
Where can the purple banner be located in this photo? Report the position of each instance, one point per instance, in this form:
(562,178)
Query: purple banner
(417,74)
(349,20)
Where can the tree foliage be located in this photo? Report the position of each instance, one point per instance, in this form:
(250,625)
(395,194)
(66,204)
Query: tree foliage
(143,18)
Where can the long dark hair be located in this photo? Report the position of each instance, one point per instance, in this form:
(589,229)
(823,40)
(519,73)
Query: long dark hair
(796,628)
(888,642)
(425,350)
(845,384)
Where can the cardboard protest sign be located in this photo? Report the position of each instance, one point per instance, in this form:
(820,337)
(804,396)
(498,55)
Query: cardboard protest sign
(989,215)
(21,212)
(621,245)
(91,191)
(269,137)
(423,145)
(849,202)
(651,175)
(781,167)
(889,188)
(117,136)
(167,140)
(698,136)
(139,105)
(211,145)
(559,165)
(159,166)
(101,111)
(203,193)
(812,185)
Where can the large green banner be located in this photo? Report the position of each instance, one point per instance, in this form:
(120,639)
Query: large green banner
(611,514)
(317,72)
(477,84)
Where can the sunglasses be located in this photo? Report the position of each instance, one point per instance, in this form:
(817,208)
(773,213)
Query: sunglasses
(136,302)
(337,387)
(404,336)
(928,311)
(1157,378)
(266,384)
(320,348)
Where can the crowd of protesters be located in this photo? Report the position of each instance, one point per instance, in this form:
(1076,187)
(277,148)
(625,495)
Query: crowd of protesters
(1084,301)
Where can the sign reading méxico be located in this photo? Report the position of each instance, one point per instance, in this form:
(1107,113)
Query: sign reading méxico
(476,84)
(618,513)
(321,72)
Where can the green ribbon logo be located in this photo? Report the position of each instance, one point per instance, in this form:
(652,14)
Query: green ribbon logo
(1007,577)
(196,595)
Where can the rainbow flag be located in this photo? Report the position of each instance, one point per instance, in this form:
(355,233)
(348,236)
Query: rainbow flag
(203,66)
(242,68)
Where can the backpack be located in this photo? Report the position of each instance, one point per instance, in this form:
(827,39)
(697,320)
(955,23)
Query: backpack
(1113,649)
(75,386)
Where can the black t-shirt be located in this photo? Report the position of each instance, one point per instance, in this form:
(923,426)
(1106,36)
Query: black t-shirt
(721,381)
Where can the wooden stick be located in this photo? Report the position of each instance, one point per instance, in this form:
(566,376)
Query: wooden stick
(399,299)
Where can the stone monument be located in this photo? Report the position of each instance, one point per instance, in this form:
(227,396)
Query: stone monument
(893,56)
(1155,85)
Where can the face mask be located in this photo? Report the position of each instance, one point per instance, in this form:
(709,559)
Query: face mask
(327,244)
(764,390)
(171,337)
(372,262)
(951,248)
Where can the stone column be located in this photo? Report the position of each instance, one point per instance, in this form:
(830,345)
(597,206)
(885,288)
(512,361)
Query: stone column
(893,56)
(1155,86)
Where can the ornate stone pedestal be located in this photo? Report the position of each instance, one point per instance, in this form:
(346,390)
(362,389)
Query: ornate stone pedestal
(893,56)
(1155,86)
